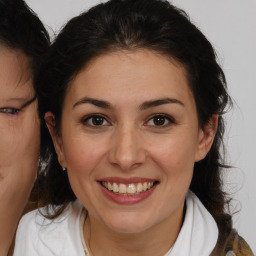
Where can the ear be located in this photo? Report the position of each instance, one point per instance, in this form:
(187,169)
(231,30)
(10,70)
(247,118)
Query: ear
(206,138)
(56,137)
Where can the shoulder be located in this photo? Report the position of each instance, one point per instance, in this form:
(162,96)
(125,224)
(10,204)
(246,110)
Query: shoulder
(231,244)
(38,234)
(37,219)
(27,235)
(239,245)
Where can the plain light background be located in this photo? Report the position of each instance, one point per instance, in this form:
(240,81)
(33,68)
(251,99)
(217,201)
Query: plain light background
(230,25)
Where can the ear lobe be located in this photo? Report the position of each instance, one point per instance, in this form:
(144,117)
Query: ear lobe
(56,138)
(206,138)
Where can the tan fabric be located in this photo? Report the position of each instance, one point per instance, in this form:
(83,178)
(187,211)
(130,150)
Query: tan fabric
(231,245)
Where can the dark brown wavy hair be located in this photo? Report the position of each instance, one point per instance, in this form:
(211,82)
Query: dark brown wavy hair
(130,25)
(21,29)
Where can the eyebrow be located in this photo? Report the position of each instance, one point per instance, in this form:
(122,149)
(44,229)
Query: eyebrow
(143,106)
(158,102)
(95,102)
(21,100)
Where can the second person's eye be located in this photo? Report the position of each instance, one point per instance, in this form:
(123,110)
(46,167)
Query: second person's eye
(10,111)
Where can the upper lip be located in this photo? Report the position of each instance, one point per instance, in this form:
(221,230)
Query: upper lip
(127,180)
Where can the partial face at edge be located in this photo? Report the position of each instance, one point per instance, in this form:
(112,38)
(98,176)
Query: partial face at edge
(19,126)
(130,119)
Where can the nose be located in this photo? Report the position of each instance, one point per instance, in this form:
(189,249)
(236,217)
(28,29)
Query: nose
(126,149)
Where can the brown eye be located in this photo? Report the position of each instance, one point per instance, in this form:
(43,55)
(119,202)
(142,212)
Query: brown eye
(98,120)
(160,120)
(95,120)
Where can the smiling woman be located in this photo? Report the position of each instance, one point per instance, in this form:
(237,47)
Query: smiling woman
(134,136)
(133,99)
(23,41)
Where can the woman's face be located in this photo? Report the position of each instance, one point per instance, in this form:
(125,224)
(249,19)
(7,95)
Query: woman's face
(129,139)
(19,127)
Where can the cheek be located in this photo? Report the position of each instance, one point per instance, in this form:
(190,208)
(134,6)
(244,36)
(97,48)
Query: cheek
(175,158)
(30,136)
(20,138)
(82,154)
(19,153)
(175,154)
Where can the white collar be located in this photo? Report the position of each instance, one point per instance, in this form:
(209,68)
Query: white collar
(199,232)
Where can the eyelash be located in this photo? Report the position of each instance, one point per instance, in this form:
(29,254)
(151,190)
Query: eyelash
(16,111)
(88,121)
(10,111)
(165,118)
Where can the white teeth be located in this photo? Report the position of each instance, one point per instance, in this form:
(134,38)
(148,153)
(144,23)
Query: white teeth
(150,185)
(122,189)
(128,189)
(139,187)
(145,186)
(131,189)
(110,187)
(115,188)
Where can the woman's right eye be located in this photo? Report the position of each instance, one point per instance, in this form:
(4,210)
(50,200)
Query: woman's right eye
(95,121)
(10,111)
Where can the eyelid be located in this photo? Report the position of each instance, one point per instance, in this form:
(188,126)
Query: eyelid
(29,102)
(85,119)
(8,111)
(170,119)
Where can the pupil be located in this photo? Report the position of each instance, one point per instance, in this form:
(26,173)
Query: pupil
(97,120)
(159,120)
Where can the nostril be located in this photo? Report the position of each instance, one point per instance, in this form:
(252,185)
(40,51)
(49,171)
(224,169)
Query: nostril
(126,148)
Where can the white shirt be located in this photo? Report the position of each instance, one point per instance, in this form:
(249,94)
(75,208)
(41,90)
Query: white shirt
(38,236)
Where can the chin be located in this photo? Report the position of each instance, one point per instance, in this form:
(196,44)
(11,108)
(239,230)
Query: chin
(128,225)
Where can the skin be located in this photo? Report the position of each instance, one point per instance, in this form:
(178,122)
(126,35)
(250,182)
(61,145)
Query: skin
(130,143)
(19,140)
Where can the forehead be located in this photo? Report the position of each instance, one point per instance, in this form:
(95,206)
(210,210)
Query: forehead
(131,73)
(15,71)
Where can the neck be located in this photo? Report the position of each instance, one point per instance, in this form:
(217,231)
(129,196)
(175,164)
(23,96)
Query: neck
(157,240)
(9,217)
(12,204)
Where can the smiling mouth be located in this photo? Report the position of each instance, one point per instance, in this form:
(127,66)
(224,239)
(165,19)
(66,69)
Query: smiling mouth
(128,189)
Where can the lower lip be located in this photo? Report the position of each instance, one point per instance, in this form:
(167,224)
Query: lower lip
(125,199)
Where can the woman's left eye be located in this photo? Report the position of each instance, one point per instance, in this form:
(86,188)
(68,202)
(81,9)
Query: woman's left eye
(10,111)
(95,121)
(160,120)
